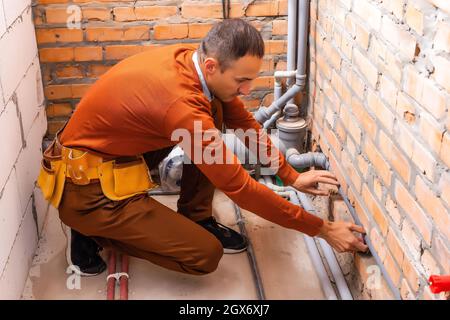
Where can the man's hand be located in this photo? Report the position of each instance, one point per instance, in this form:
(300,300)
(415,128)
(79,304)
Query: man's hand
(308,181)
(339,235)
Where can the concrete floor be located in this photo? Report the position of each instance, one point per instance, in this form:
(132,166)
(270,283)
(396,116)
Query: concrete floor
(285,267)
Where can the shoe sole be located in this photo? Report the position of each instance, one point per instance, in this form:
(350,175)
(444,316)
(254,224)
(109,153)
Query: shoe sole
(233,251)
(68,234)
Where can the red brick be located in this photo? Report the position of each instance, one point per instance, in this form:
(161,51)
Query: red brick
(275,46)
(88,54)
(96,70)
(395,7)
(405,108)
(279,27)
(380,164)
(67,72)
(53,126)
(406,292)
(412,239)
(378,243)
(396,246)
(262,9)
(399,38)
(411,274)
(430,265)
(445,153)
(97,14)
(414,18)
(367,69)
(392,268)
(58,35)
(58,15)
(170,31)
(56,54)
(323,66)
(364,119)
(209,10)
(444,186)
(118,33)
(441,252)
(388,91)
(54,92)
(425,92)
(117,52)
(144,13)
(424,160)
(412,209)
(431,132)
(442,38)
(433,206)
(264,82)
(383,113)
(198,30)
(375,209)
(78,90)
(58,110)
(369,13)
(392,210)
(441,74)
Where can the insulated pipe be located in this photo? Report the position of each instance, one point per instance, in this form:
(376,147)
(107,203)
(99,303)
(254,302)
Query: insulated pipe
(317,260)
(329,255)
(367,240)
(264,113)
(310,243)
(328,252)
(124,278)
(111,282)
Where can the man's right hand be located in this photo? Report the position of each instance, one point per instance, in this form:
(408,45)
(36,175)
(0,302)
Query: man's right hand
(339,235)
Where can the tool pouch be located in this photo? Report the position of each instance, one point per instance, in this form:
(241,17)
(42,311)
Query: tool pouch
(123,180)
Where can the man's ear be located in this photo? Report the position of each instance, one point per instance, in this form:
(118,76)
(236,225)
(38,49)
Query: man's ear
(211,65)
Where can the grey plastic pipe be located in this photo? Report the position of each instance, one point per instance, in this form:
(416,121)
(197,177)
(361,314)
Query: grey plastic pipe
(326,165)
(292,36)
(264,113)
(311,245)
(341,284)
(305,160)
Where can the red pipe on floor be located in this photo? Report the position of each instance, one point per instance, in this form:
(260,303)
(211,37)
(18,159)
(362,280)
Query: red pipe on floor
(439,284)
(124,278)
(111,282)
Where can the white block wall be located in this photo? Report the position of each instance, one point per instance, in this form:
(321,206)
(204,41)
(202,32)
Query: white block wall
(22,126)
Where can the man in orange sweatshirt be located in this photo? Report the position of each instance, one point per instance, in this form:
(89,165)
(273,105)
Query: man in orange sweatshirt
(134,109)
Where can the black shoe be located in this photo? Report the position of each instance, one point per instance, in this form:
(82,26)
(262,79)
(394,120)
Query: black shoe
(82,254)
(232,241)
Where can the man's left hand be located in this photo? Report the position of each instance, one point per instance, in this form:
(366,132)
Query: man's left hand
(308,181)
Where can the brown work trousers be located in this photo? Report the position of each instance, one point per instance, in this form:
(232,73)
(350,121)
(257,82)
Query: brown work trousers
(144,228)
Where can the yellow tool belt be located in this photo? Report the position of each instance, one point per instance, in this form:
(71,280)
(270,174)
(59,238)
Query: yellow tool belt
(120,179)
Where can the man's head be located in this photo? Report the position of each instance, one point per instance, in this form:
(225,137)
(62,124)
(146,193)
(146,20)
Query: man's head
(231,57)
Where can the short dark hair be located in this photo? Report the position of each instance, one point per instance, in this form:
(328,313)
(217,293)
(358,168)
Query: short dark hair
(230,40)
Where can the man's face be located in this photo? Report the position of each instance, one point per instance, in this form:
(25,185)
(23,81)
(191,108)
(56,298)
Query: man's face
(235,80)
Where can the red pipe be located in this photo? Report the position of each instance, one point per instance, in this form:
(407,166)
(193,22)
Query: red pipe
(111,283)
(124,278)
(439,284)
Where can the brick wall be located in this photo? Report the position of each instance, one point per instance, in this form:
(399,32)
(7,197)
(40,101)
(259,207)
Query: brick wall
(22,126)
(108,31)
(379,90)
